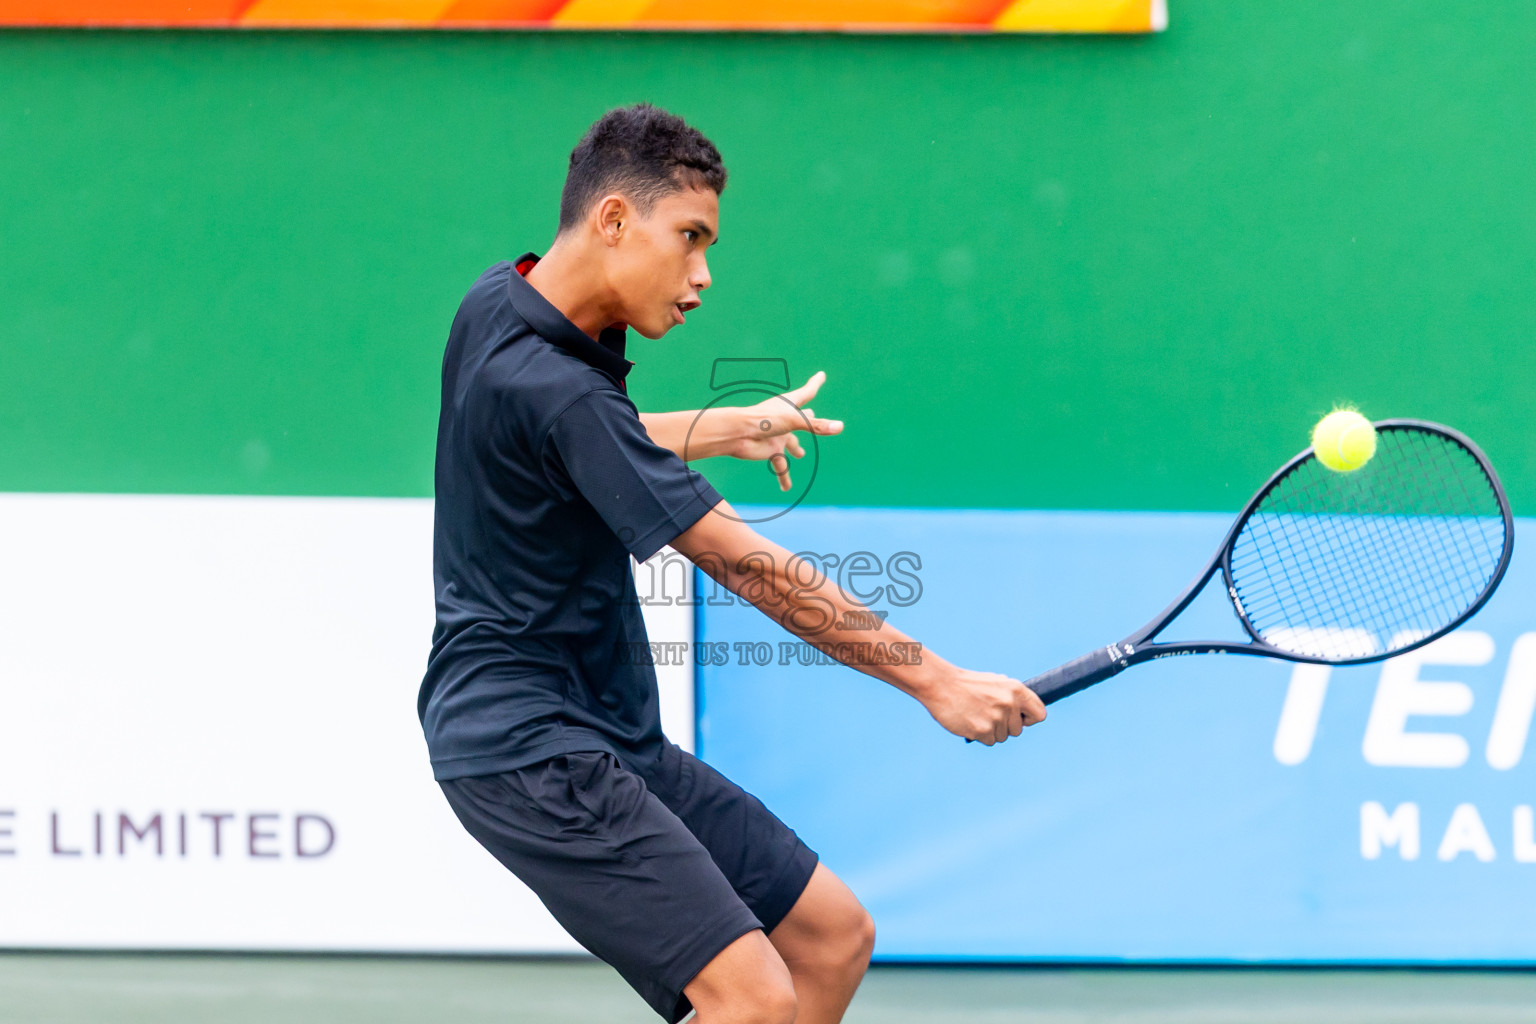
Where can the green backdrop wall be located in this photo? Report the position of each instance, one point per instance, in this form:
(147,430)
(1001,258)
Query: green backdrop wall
(1040,272)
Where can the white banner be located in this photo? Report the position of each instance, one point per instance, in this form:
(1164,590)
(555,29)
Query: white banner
(208,736)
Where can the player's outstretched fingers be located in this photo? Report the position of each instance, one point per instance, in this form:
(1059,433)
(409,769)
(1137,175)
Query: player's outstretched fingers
(825,427)
(818,426)
(780,466)
(807,391)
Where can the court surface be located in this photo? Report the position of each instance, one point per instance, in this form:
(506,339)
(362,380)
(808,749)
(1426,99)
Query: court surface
(116,989)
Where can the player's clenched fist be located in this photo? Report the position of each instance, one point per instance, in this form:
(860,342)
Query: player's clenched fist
(984,706)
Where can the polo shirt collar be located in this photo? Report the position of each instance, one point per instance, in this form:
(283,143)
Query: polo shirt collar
(606,353)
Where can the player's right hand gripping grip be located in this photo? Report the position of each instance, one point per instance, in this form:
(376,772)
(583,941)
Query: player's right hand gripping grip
(1079,674)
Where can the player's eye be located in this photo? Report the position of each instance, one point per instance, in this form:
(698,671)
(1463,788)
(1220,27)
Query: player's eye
(691,235)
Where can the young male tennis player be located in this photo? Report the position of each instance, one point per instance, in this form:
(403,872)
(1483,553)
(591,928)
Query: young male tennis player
(543,731)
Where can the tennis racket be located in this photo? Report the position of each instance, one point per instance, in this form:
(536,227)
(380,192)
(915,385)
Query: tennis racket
(1343,568)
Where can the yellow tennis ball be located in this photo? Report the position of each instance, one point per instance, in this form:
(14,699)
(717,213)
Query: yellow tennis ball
(1344,440)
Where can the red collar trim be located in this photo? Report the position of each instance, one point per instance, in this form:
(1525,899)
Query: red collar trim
(606,353)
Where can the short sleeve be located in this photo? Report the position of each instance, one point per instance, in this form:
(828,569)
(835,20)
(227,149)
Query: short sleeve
(645,493)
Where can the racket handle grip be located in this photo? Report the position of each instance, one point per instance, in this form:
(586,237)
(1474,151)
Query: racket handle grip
(1079,673)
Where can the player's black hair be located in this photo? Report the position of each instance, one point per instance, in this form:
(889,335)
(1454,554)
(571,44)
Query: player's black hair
(641,152)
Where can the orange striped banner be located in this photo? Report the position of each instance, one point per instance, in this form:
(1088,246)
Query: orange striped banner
(704,15)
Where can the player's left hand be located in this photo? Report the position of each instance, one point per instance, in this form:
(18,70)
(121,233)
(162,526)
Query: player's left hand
(767,429)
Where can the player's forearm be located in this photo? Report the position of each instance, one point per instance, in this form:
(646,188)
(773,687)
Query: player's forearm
(695,434)
(983,706)
(799,597)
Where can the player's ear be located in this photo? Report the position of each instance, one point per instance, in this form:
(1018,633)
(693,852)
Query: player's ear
(612,215)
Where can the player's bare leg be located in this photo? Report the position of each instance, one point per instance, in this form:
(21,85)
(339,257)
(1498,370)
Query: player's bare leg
(825,941)
(746,983)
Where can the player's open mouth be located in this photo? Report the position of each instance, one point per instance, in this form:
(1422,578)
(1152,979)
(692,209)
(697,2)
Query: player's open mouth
(677,312)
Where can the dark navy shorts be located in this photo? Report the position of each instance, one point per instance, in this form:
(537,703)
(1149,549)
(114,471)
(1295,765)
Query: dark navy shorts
(653,868)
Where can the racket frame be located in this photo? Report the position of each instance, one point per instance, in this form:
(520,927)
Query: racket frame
(1142,646)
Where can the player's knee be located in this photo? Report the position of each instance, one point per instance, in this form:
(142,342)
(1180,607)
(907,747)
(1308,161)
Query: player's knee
(746,983)
(845,947)
(858,942)
(776,1003)
(765,999)
(865,934)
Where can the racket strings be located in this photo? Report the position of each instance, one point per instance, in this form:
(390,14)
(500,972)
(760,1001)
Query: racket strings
(1347,565)
(1345,591)
(1344,595)
(1336,616)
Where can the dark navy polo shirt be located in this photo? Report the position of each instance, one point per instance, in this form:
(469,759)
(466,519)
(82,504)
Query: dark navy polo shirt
(546,484)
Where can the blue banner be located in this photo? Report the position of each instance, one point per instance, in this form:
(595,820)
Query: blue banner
(1204,808)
